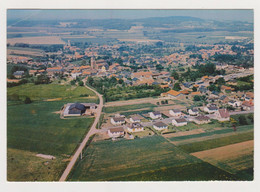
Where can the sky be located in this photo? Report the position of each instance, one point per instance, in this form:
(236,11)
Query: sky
(54,14)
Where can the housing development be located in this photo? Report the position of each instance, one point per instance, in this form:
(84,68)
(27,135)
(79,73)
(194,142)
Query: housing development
(150,99)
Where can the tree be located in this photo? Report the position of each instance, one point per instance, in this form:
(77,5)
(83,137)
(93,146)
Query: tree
(120,81)
(242,120)
(194,89)
(27,100)
(220,81)
(73,82)
(81,83)
(175,75)
(196,98)
(90,80)
(177,87)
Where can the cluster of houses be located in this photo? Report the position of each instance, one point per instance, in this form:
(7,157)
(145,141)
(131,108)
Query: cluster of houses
(178,118)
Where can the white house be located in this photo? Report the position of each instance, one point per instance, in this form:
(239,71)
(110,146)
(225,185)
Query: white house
(135,127)
(210,109)
(179,122)
(222,115)
(234,103)
(118,120)
(135,119)
(175,112)
(155,115)
(193,111)
(201,119)
(116,132)
(160,126)
(74,75)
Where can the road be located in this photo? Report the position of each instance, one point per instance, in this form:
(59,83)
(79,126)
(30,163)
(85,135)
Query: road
(92,131)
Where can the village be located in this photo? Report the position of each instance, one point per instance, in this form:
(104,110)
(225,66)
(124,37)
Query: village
(128,100)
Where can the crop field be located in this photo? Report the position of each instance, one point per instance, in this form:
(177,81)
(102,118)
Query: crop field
(216,142)
(43,40)
(211,133)
(48,91)
(149,158)
(37,128)
(233,158)
(128,107)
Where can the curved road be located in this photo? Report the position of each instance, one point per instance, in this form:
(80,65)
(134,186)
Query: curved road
(92,131)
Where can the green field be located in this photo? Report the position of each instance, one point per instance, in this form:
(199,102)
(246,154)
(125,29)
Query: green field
(210,133)
(25,166)
(37,128)
(128,107)
(48,91)
(149,158)
(34,127)
(218,142)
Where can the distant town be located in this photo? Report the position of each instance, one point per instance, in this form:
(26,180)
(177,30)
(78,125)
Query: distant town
(143,101)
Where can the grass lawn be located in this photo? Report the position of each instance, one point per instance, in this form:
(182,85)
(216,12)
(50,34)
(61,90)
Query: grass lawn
(48,91)
(128,107)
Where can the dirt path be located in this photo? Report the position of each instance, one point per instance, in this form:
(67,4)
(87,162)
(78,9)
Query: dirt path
(92,131)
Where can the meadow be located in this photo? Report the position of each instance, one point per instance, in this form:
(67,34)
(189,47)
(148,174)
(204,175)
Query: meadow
(149,158)
(49,91)
(128,107)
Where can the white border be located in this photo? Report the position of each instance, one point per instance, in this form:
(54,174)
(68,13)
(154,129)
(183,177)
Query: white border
(125,186)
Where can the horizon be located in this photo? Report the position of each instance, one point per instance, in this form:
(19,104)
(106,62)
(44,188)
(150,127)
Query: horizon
(245,15)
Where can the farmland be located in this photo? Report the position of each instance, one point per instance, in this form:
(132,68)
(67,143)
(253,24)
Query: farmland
(37,128)
(49,91)
(154,158)
(216,142)
(233,158)
(46,40)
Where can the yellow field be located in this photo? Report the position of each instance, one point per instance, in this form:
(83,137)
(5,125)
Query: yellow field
(233,158)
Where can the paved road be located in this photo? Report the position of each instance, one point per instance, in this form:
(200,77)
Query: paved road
(92,131)
(241,112)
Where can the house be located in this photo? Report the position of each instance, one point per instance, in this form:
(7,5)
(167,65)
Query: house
(210,109)
(179,122)
(18,74)
(135,127)
(173,94)
(53,70)
(195,93)
(90,105)
(117,120)
(135,119)
(226,89)
(247,105)
(116,132)
(75,109)
(234,103)
(222,115)
(160,126)
(175,112)
(193,111)
(201,119)
(155,115)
